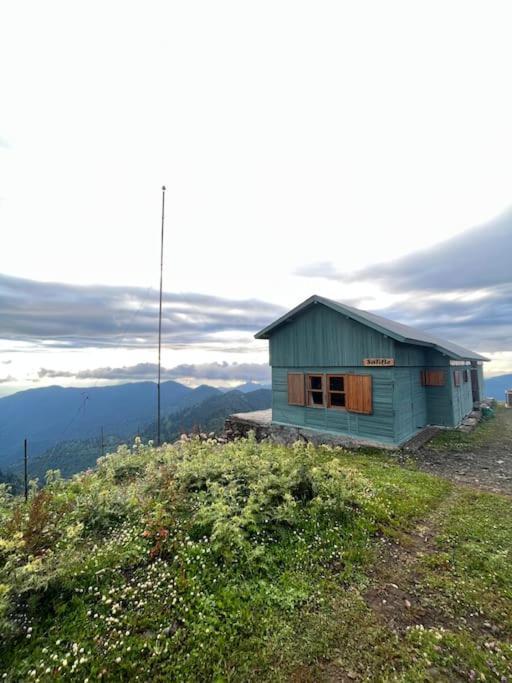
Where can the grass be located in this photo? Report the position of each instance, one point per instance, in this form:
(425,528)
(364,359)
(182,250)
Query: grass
(487,431)
(250,562)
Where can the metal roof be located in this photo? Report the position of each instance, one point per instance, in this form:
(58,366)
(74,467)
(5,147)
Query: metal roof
(397,331)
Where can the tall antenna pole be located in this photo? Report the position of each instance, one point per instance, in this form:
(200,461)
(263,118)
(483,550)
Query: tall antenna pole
(25,467)
(160,318)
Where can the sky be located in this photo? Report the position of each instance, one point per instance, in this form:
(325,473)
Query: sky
(357,150)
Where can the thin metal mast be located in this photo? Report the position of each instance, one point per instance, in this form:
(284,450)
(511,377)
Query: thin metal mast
(25,467)
(160,318)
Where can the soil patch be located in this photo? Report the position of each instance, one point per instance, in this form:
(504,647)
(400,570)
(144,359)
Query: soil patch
(485,463)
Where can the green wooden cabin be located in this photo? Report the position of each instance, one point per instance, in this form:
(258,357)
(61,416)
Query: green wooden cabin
(343,371)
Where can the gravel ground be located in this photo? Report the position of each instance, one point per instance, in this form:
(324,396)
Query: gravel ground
(484,461)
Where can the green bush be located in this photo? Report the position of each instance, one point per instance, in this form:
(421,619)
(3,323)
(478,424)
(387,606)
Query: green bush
(142,561)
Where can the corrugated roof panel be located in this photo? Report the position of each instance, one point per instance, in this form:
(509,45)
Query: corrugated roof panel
(397,331)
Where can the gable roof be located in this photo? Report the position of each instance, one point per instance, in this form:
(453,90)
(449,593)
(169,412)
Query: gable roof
(397,331)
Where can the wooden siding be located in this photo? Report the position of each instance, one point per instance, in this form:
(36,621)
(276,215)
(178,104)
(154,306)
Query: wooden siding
(322,337)
(325,342)
(462,396)
(481,383)
(410,403)
(377,426)
(409,355)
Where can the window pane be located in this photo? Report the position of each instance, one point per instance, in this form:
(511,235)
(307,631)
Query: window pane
(338,400)
(336,383)
(317,398)
(316,382)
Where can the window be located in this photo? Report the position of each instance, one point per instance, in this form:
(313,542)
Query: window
(457,378)
(335,391)
(315,391)
(432,378)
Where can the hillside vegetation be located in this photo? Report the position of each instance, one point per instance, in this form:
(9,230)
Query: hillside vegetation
(207,415)
(210,415)
(250,561)
(69,413)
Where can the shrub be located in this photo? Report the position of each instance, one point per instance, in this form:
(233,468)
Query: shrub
(247,490)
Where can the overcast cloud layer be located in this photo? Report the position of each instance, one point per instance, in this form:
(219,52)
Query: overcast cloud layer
(460,289)
(478,258)
(243,372)
(74,316)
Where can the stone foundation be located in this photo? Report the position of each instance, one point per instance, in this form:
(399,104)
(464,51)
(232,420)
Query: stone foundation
(238,426)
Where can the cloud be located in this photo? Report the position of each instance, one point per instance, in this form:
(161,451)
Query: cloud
(460,289)
(242,372)
(478,258)
(9,378)
(73,316)
(482,324)
(6,362)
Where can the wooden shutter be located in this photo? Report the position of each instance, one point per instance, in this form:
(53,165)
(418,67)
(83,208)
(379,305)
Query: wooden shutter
(358,393)
(432,378)
(296,395)
(435,378)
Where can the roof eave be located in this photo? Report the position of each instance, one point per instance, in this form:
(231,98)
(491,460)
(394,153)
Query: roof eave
(315,299)
(339,308)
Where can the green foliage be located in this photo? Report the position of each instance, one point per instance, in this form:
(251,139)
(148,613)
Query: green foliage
(209,415)
(12,481)
(487,429)
(473,565)
(71,456)
(198,561)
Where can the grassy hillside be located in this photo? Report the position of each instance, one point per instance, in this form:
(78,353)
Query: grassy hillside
(254,562)
(207,409)
(70,457)
(12,480)
(209,416)
(50,415)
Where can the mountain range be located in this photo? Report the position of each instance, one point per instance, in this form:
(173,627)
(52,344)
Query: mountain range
(48,415)
(495,387)
(63,425)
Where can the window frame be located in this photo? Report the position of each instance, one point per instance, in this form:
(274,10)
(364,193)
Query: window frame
(330,391)
(310,391)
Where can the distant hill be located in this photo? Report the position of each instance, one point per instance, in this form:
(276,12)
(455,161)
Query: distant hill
(204,408)
(49,415)
(495,387)
(70,457)
(15,482)
(209,415)
(248,387)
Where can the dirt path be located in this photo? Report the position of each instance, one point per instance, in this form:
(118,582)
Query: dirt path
(483,460)
(394,592)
